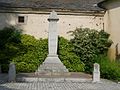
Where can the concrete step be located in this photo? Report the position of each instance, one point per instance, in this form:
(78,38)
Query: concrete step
(52,68)
(33,79)
(52,64)
(66,77)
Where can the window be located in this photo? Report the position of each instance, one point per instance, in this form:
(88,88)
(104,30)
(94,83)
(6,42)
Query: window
(21,19)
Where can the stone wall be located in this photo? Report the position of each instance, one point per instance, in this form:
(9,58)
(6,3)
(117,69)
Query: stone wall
(37,24)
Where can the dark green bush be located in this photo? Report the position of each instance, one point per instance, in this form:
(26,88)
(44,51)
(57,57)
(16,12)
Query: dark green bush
(88,44)
(68,57)
(109,69)
(9,35)
(5,67)
(9,45)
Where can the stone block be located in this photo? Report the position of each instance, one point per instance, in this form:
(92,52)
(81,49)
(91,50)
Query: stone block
(96,73)
(12,73)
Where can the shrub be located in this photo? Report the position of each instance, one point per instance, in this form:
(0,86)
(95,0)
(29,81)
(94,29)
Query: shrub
(88,44)
(9,35)
(68,57)
(9,45)
(109,69)
(33,54)
(28,53)
(5,68)
(25,67)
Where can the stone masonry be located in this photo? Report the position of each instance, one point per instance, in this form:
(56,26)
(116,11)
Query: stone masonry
(52,64)
(96,73)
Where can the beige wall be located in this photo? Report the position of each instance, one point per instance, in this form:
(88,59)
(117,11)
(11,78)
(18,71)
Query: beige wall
(37,24)
(112,26)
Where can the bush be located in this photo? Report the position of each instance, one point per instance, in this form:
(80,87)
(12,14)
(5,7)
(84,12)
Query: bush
(68,57)
(33,54)
(25,67)
(109,69)
(5,68)
(28,53)
(9,35)
(9,45)
(88,44)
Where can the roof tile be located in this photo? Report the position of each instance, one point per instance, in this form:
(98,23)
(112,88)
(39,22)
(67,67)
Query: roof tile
(50,4)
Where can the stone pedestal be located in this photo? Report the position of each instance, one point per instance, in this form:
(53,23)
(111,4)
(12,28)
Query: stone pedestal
(96,73)
(52,63)
(12,73)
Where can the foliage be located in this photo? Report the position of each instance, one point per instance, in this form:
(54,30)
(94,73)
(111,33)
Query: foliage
(9,35)
(34,52)
(109,69)
(25,67)
(88,44)
(24,50)
(37,52)
(28,52)
(68,57)
(9,40)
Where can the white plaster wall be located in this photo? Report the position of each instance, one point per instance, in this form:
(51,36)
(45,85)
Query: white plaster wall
(69,23)
(112,26)
(37,24)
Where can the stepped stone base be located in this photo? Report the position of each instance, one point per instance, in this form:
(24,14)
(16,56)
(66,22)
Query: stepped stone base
(52,66)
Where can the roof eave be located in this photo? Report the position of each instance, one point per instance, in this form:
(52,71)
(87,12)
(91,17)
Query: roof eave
(47,11)
(103,3)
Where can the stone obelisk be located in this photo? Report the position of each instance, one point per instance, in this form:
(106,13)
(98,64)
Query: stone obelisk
(52,63)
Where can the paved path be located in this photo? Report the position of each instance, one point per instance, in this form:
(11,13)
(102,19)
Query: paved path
(57,84)
(104,85)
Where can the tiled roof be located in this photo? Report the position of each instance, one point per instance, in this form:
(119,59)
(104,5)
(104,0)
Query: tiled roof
(105,2)
(84,5)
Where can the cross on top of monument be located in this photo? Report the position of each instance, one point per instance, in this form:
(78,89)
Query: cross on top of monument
(53,16)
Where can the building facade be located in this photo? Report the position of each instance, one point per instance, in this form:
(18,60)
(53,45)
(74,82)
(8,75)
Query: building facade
(112,25)
(31,16)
